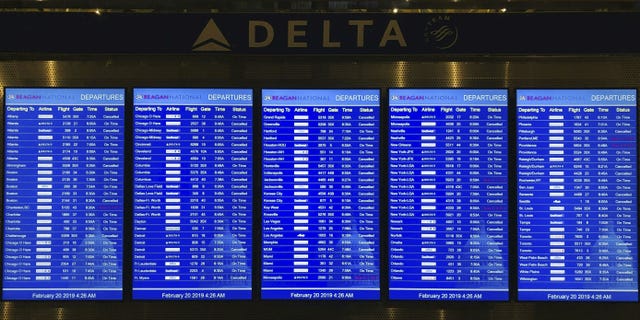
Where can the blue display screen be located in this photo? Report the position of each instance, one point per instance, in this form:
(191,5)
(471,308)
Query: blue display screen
(577,195)
(448,194)
(63,194)
(192,194)
(320,191)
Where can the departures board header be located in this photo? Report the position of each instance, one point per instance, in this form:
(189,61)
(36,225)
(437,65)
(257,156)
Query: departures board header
(218,97)
(329,97)
(573,97)
(53,96)
(448,97)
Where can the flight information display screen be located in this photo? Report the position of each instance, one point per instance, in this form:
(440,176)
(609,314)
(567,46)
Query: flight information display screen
(577,195)
(320,182)
(63,194)
(192,194)
(448,194)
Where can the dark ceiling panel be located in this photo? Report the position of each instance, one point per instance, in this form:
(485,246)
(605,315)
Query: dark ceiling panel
(479,6)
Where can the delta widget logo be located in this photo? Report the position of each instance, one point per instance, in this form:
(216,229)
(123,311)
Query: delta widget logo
(441,33)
